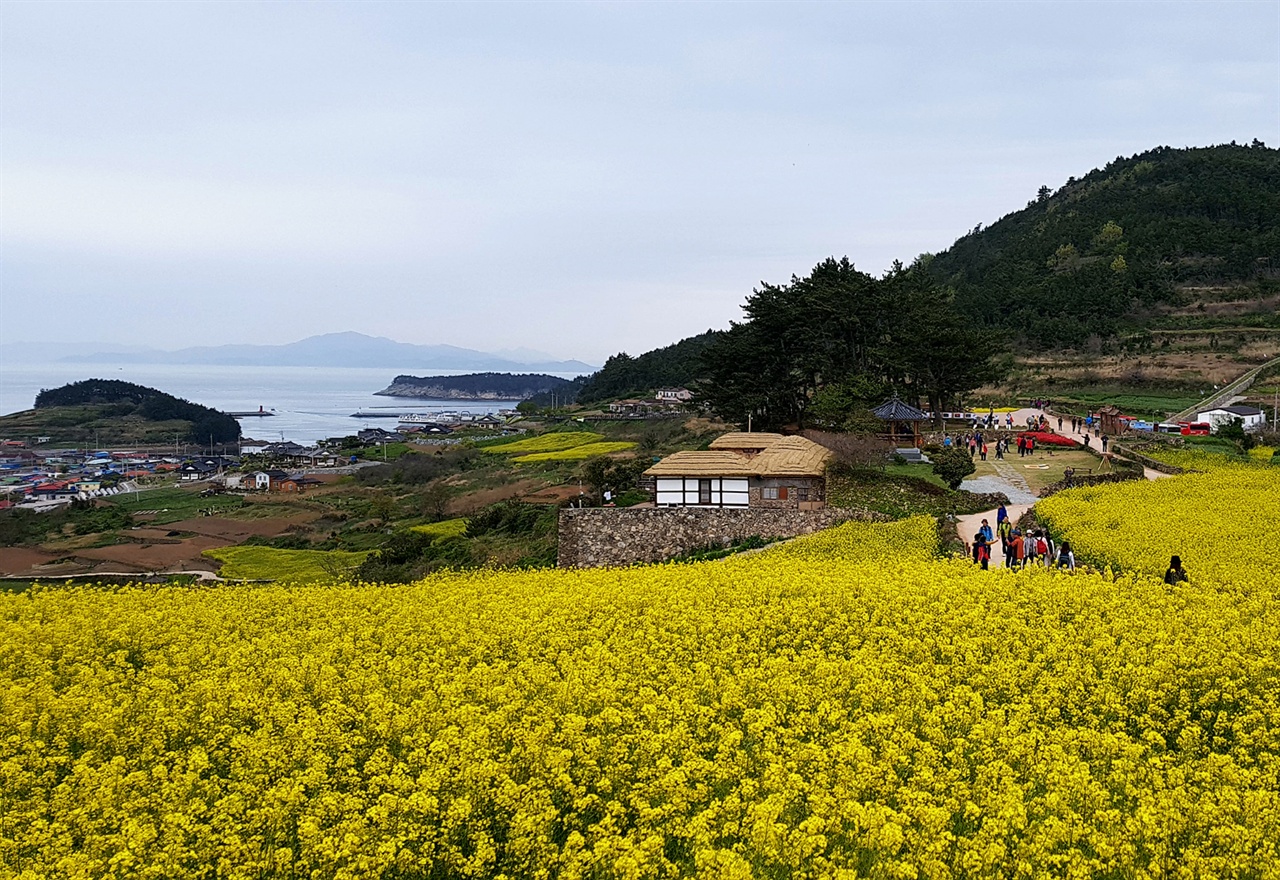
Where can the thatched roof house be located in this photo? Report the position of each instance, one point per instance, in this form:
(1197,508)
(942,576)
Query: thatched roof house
(745,470)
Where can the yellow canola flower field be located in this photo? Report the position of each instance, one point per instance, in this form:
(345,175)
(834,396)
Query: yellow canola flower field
(553,442)
(1224,522)
(576,453)
(845,705)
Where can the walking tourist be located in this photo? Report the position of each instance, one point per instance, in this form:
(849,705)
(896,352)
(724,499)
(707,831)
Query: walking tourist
(1013,553)
(981,551)
(1066,558)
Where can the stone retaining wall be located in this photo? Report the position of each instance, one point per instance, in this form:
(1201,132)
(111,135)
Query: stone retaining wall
(596,537)
(1146,461)
(1123,476)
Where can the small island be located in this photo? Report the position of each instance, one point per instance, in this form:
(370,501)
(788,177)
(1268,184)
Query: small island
(474,386)
(109,411)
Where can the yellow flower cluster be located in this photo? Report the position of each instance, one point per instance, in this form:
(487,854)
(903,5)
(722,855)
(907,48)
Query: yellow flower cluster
(575,453)
(553,442)
(844,705)
(1225,524)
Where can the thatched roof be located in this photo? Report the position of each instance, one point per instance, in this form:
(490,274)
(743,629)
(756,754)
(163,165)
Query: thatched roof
(743,440)
(712,463)
(896,411)
(781,457)
(792,457)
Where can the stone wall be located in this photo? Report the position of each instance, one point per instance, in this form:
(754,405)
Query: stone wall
(1145,461)
(1076,482)
(595,537)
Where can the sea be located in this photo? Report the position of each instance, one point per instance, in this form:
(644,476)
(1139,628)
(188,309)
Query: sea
(306,404)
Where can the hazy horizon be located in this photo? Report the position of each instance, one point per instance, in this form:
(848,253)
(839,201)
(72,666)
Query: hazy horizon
(576,178)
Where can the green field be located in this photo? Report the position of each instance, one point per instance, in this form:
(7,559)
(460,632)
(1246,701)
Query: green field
(444,529)
(298,566)
(174,504)
(1153,404)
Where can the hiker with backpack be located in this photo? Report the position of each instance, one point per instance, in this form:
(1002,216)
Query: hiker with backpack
(1066,558)
(1044,549)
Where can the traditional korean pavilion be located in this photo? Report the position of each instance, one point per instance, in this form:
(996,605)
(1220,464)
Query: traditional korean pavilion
(902,422)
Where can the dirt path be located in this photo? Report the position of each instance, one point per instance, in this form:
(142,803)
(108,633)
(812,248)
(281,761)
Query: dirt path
(968,526)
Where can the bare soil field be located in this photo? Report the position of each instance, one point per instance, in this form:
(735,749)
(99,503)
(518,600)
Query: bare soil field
(173,547)
(21,560)
(473,501)
(234,531)
(184,555)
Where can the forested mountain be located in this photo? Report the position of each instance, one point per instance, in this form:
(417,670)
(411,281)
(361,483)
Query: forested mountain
(1112,252)
(114,399)
(677,365)
(1094,257)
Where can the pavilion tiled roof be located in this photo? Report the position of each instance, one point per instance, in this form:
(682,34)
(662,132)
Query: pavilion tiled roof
(896,410)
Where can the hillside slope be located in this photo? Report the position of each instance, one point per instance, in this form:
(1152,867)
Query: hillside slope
(112,411)
(1119,249)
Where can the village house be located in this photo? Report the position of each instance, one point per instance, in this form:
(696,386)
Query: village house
(633,407)
(295,484)
(266,481)
(193,471)
(756,470)
(673,395)
(1251,417)
(377,435)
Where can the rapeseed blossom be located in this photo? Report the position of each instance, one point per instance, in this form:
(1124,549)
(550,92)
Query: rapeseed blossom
(844,705)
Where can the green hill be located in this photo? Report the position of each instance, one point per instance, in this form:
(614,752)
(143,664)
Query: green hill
(1128,247)
(112,411)
(676,365)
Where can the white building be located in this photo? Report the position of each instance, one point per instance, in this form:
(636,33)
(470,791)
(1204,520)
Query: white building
(1253,418)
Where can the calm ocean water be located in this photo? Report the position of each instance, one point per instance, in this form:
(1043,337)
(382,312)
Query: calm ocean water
(310,403)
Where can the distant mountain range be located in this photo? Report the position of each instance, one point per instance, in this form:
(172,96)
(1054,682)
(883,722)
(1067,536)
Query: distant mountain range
(346,349)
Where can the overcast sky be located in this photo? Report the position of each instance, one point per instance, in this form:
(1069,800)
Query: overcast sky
(575,178)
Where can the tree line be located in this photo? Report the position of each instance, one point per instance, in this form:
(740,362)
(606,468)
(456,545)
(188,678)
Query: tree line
(823,349)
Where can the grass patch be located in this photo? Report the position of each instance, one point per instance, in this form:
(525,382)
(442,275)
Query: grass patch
(576,453)
(444,529)
(1156,404)
(919,471)
(554,442)
(1046,466)
(174,504)
(269,563)
(383,452)
(898,496)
